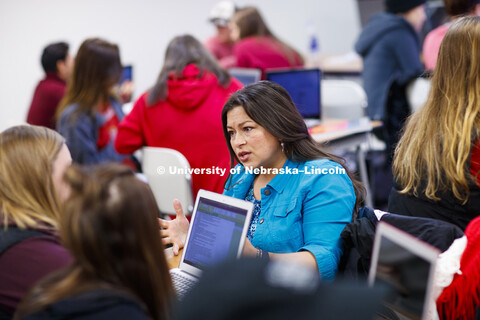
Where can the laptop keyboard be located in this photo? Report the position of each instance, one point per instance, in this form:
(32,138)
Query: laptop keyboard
(182,284)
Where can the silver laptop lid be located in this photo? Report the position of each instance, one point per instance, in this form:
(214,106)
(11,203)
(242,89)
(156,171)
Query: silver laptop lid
(406,265)
(217,231)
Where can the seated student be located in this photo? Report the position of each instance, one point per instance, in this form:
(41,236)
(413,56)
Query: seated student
(119,269)
(455,9)
(182,111)
(256,46)
(390,49)
(89,113)
(32,162)
(437,160)
(221,44)
(57,64)
(303,196)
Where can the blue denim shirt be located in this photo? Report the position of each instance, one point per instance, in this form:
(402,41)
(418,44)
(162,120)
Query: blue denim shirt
(301,210)
(81,135)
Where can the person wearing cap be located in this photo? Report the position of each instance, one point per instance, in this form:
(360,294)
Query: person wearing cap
(221,44)
(455,9)
(390,49)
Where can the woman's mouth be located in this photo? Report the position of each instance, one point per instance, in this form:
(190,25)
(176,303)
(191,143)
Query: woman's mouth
(243,156)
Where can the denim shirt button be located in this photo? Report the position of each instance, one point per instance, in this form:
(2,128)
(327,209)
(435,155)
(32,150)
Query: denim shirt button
(261,221)
(267,192)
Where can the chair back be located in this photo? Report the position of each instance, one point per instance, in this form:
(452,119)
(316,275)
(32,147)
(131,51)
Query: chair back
(417,93)
(167,174)
(343,99)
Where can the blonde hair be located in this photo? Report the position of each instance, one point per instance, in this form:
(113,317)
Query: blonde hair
(27,195)
(433,154)
(109,225)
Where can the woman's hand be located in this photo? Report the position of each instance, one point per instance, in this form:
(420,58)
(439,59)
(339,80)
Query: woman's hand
(175,231)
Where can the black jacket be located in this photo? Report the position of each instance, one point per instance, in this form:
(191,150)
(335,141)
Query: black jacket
(93,305)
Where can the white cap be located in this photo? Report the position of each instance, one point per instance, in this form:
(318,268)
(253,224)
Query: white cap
(222,12)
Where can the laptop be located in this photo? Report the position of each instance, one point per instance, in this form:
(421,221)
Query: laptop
(217,232)
(303,85)
(406,265)
(246,75)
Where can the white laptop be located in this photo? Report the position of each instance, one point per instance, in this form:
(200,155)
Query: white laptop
(217,232)
(406,265)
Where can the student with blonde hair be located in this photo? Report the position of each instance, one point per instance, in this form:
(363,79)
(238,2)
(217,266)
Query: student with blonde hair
(437,160)
(109,224)
(32,162)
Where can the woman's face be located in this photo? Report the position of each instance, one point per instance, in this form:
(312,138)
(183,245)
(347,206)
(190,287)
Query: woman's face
(254,146)
(234,31)
(60,164)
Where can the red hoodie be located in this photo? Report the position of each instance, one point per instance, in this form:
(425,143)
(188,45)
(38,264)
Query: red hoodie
(189,121)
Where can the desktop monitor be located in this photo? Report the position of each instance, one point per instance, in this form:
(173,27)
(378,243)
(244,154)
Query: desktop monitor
(246,75)
(303,85)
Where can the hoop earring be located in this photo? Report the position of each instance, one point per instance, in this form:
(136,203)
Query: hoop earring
(283,147)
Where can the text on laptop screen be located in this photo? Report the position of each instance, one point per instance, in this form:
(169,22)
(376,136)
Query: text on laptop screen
(406,274)
(215,233)
(304,88)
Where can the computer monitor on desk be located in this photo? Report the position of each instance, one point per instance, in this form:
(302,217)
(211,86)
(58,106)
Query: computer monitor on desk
(303,85)
(246,75)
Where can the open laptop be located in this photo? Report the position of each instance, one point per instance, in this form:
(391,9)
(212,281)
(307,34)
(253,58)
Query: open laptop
(406,265)
(246,75)
(217,232)
(303,85)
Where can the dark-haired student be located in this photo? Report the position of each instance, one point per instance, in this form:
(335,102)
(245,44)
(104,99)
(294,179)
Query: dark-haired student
(303,196)
(58,65)
(119,270)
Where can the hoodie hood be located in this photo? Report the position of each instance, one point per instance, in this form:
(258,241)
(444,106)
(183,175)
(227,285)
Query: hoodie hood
(86,306)
(378,26)
(190,89)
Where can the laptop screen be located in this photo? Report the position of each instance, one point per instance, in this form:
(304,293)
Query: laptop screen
(303,85)
(215,234)
(405,265)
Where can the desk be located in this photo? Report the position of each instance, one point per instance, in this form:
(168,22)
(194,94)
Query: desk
(351,137)
(172,260)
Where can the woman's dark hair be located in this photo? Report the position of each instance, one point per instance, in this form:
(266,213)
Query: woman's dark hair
(182,51)
(109,225)
(269,104)
(96,70)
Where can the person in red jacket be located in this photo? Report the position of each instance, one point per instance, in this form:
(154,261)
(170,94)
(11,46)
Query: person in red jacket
(182,111)
(256,46)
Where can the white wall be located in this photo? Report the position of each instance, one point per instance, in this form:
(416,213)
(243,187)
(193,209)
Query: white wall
(142,28)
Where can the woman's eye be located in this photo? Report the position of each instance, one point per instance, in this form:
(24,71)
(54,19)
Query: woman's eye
(230,133)
(247,129)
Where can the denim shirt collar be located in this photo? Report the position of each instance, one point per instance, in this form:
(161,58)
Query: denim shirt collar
(278,182)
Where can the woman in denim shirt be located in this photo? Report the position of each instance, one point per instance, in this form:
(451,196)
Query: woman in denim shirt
(303,196)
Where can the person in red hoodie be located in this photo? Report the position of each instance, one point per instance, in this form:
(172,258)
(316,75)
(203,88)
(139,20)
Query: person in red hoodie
(182,111)
(256,46)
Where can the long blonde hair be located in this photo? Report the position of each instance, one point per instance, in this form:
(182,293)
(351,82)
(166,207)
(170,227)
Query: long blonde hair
(27,194)
(433,154)
(109,225)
